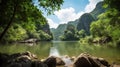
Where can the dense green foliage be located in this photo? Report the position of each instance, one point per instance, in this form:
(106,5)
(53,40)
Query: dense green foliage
(108,24)
(44,36)
(113,4)
(70,34)
(58,31)
(20,19)
(16,32)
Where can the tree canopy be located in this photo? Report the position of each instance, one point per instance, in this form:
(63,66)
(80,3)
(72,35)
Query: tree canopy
(108,23)
(23,15)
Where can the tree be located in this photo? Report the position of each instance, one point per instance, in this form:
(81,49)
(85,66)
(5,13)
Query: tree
(70,34)
(81,33)
(44,36)
(15,33)
(11,9)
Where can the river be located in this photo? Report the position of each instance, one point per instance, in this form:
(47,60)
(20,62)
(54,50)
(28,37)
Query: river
(61,48)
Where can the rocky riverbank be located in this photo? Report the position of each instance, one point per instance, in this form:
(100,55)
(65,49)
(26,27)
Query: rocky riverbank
(27,59)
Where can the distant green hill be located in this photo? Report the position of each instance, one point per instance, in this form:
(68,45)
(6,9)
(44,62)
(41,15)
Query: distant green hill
(81,23)
(58,31)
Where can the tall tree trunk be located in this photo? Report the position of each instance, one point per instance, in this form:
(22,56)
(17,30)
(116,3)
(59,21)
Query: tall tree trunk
(9,23)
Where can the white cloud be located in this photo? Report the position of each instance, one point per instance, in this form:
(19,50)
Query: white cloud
(68,14)
(51,23)
(91,5)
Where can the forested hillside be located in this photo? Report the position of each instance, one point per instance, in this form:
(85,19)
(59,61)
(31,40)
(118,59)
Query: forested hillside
(82,24)
(87,18)
(27,25)
(107,27)
(58,31)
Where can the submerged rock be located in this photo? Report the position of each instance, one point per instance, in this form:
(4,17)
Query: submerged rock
(59,61)
(31,40)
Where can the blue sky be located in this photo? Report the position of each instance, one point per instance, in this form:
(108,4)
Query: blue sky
(70,11)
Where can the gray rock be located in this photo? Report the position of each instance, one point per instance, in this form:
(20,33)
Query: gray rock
(86,60)
(51,62)
(82,62)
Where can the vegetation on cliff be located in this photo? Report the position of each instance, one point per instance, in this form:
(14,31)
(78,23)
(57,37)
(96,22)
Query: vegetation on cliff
(81,24)
(107,27)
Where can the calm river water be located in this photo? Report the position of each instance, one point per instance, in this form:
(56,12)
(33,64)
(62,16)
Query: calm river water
(43,49)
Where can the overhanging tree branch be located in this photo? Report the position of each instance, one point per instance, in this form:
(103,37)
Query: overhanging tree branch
(9,23)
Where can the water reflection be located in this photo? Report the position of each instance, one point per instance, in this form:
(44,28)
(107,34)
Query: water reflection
(62,48)
(111,54)
(54,52)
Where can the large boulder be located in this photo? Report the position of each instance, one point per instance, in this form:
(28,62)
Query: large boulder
(50,61)
(82,62)
(26,54)
(20,60)
(25,59)
(86,60)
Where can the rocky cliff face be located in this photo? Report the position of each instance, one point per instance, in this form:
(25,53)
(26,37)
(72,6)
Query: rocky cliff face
(86,19)
(81,23)
(84,22)
(46,28)
(98,10)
